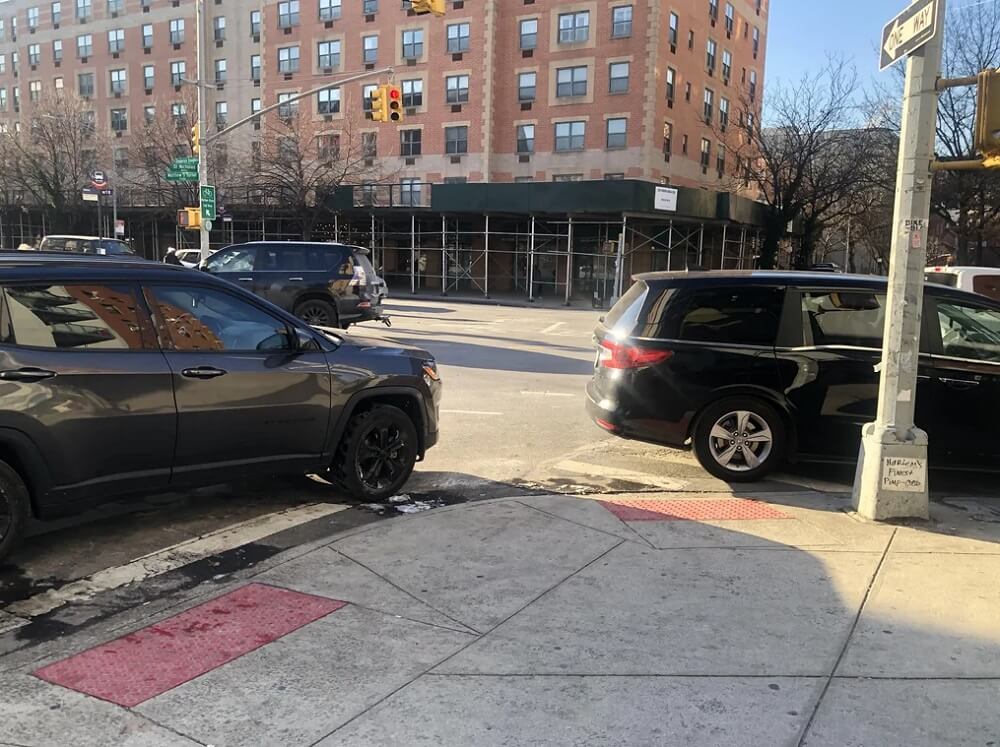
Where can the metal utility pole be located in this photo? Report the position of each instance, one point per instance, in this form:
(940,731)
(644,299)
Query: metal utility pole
(206,225)
(891,479)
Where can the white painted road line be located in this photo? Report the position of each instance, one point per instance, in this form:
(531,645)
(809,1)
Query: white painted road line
(613,473)
(171,558)
(552,328)
(551,394)
(472,412)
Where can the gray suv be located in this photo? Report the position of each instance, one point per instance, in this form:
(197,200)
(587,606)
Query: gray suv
(330,285)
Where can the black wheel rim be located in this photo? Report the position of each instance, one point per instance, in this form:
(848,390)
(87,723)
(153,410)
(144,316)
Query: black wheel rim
(314,314)
(382,457)
(6,516)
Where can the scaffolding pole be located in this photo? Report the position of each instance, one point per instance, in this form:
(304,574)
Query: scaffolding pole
(486,258)
(701,247)
(531,262)
(620,260)
(670,245)
(336,227)
(444,257)
(569,259)
(413,254)
(724,232)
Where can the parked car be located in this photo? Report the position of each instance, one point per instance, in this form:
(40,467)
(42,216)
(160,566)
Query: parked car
(121,377)
(751,369)
(331,285)
(189,258)
(84,245)
(982,280)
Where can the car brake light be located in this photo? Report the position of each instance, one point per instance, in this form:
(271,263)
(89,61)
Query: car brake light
(620,355)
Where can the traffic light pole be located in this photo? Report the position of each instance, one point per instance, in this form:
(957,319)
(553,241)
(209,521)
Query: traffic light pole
(206,225)
(891,479)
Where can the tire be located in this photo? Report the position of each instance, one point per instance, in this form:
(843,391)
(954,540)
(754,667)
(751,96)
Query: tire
(14,509)
(319,312)
(365,434)
(720,446)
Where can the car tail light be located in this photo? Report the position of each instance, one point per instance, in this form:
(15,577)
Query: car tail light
(621,355)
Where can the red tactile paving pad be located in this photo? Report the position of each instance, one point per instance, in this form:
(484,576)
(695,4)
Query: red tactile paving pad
(148,662)
(728,509)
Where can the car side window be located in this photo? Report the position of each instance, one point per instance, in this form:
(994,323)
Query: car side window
(987,285)
(232,260)
(84,316)
(851,318)
(969,331)
(193,318)
(741,316)
(324,259)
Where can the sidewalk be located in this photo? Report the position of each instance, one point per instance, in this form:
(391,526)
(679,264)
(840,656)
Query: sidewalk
(652,619)
(505,300)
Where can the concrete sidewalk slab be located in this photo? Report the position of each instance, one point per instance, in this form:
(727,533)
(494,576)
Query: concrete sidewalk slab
(930,616)
(716,612)
(604,711)
(954,530)
(587,511)
(907,713)
(479,564)
(302,687)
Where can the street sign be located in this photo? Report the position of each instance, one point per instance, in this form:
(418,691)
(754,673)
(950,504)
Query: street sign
(908,31)
(98,180)
(90,195)
(208,212)
(182,174)
(187,162)
(119,227)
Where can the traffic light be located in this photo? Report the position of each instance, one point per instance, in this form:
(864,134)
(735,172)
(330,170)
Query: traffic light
(189,218)
(987,134)
(380,104)
(196,139)
(395,97)
(427,6)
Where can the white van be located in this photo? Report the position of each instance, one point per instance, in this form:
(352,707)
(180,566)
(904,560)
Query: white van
(982,280)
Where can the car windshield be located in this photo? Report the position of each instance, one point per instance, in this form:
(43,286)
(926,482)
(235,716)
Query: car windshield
(942,278)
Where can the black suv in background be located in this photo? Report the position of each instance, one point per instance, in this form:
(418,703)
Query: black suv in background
(121,377)
(329,285)
(753,368)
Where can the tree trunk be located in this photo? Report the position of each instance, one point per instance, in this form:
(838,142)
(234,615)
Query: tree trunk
(774,231)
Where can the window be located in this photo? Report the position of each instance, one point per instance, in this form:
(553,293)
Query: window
(526,138)
(526,86)
(255,23)
(413,44)
(369,144)
(3,63)
(84,46)
(34,54)
(668,139)
(727,65)
(690,39)
(621,21)
(567,177)
(3,99)
(85,84)
(118,79)
(149,114)
(329,10)
(723,113)
(570,136)
(115,6)
(370,45)
(287,108)
(288,14)
(370,6)
(753,83)
(458,37)
(457,89)
(756,41)
(147,36)
(120,157)
(35,90)
(255,67)
(288,59)
(116,41)
(409,192)
(971,332)
(413,93)
(328,148)
(740,316)
(57,50)
(200,318)
(255,105)
(328,101)
(84,10)
(574,27)
(618,77)
(56,13)
(706,153)
(713,9)
(221,71)
(456,140)
(671,83)
(33,18)
(179,114)
(673,30)
(177,72)
(709,105)
(617,132)
(75,317)
(219,28)
(730,20)
(119,120)
(710,50)
(529,33)
(177,31)
(366,96)
(854,318)
(328,55)
(571,81)
(720,158)
(410,142)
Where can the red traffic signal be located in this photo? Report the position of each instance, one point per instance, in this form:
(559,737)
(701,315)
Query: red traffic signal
(395,96)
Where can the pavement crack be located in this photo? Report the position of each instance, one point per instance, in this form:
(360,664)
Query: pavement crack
(642,540)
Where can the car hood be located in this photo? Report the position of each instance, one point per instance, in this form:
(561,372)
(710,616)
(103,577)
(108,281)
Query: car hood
(373,344)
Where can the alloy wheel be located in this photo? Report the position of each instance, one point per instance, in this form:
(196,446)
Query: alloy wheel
(382,457)
(314,314)
(740,441)
(6,516)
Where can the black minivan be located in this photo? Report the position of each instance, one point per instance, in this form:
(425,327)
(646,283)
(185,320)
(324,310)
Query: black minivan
(329,285)
(753,368)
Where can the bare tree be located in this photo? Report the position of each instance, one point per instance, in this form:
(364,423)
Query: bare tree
(50,160)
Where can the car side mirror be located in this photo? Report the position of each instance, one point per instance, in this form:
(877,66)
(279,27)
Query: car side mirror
(305,342)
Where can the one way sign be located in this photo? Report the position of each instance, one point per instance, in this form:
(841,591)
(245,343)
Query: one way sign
(908,31)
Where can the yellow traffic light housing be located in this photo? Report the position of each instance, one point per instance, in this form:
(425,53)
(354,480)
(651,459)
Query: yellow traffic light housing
(421,7)
(394,95)
(987,133)
(189,218)
(196,139)
(380,104)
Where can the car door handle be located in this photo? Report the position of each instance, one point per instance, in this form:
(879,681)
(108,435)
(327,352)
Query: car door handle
(26,374)
(960,383)
(203,372)
(295,280)
(246,280)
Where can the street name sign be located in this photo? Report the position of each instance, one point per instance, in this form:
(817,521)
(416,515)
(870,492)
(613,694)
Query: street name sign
(908,32)
(208,211)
